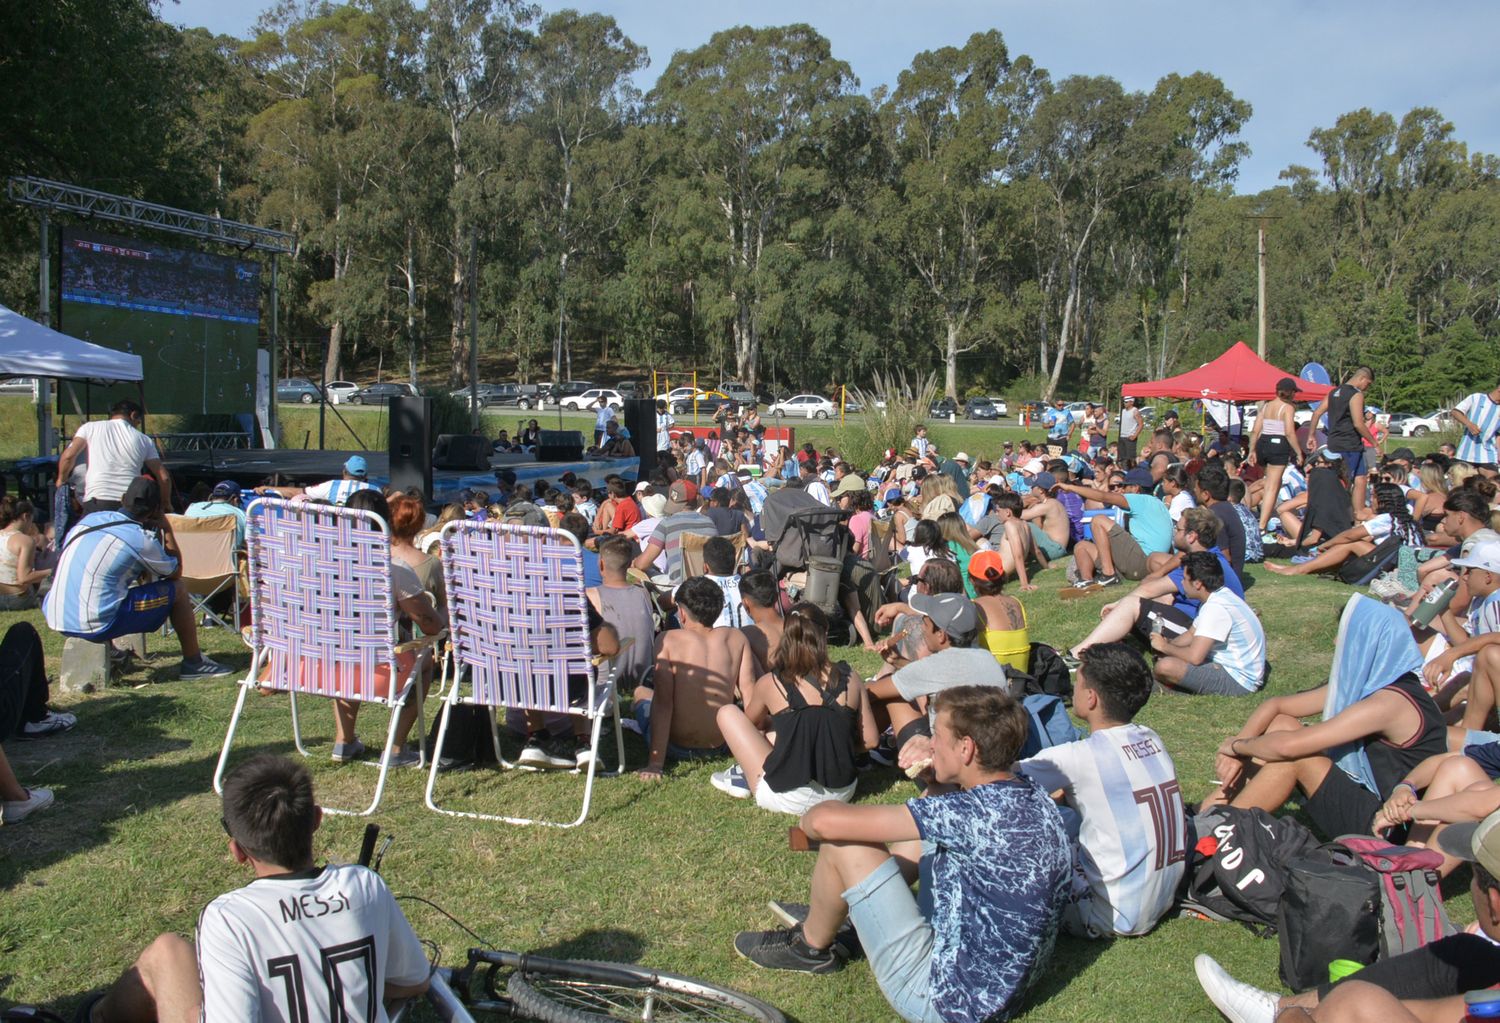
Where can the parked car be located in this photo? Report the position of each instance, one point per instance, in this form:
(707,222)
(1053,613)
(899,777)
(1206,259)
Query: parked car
(675,395)
(942,408)
(703,403)
(297,389)
(980,408)
(808,406)
(1034,409)
(632,389)
(381,394)
(487,394)
(557,393)
(19,385)
(738,391)
(1420,426)
(590,398)
(338,391)
(851,407)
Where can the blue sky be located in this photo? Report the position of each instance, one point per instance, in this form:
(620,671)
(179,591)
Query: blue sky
(1300,64)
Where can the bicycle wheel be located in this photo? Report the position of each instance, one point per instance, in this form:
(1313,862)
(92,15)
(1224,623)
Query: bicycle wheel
(589,992)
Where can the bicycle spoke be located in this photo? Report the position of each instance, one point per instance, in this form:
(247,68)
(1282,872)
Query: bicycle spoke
(644,1004)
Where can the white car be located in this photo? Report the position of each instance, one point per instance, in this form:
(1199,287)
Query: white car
(590,399)
(1421,426)
(1002,408)
(677,396)
(808,406)
(339,390)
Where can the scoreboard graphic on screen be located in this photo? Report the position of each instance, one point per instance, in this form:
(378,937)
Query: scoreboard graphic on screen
(192,317)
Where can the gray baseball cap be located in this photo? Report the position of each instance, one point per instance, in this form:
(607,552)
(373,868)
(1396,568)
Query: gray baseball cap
(953,613)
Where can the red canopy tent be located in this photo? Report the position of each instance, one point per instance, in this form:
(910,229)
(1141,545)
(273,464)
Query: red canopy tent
(1237,375)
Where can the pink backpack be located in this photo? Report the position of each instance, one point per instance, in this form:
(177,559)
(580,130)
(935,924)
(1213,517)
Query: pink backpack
(1411,901)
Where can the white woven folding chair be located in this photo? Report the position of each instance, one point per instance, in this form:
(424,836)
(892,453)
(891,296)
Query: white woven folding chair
(519,638)
(323,620)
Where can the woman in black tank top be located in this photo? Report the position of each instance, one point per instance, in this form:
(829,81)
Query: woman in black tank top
(819,715)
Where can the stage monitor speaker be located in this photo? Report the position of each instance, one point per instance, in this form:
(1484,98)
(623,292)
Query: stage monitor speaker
(411,444)
(461,451)
(559,446)
(640,420)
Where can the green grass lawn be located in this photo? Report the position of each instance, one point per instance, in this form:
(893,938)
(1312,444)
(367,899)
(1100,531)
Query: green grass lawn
(661,873)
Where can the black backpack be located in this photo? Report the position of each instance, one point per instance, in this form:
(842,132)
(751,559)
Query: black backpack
(1239,865)
(1330,909)
(1358,571)
(1047,675)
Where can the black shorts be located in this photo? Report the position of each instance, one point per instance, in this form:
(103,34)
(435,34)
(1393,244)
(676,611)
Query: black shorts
(1175,621)
(1342,806)
(1273,451)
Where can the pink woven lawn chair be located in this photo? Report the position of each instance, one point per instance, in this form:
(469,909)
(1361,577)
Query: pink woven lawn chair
(323,621)
(519,638)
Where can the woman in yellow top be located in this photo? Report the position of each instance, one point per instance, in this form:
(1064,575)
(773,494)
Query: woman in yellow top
(1004,617)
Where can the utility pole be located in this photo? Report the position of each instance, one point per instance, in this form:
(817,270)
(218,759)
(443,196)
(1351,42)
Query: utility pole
(1260,219)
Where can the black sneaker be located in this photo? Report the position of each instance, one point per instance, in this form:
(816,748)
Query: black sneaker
(544,753)
(785,950)
(203,667)
(794,914)
(884,753)
(1107,580)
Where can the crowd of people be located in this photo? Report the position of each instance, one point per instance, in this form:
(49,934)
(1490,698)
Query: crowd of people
(728,576)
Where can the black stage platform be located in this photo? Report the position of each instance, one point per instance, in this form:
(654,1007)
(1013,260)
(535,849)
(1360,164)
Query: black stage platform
(300,468)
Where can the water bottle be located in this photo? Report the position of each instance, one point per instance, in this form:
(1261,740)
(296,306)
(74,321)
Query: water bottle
(1481,1006)
(1435,603)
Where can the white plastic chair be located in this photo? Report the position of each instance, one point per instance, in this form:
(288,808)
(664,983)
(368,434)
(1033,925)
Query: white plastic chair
(519,638)
(323,618)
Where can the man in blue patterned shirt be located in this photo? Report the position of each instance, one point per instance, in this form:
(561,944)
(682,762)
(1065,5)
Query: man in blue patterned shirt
(994,861)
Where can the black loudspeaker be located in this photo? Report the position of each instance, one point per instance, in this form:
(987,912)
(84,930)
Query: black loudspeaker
(411,444)
(559,446)
(461,451)
(640,420)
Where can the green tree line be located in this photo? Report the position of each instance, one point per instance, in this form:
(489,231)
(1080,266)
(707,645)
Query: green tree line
(754,213)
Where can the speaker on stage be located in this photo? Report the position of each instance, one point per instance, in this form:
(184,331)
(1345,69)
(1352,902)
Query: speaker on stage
(559,446)
(411,444)
(461,451)
(640,420)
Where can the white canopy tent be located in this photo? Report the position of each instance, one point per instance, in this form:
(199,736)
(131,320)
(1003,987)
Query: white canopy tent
(28,349)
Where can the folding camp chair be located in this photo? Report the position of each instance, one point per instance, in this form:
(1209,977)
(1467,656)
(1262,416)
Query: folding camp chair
(692,552)
(323,619)
(519,638)
(210,565)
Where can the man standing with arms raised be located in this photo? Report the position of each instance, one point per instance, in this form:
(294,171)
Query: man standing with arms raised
(1347,432)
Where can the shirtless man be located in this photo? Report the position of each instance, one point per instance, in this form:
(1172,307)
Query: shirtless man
(760,596)
(1008,532)
(698,670)
(1050,526)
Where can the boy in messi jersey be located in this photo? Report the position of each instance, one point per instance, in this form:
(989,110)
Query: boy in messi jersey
(299,944)
(1131,847)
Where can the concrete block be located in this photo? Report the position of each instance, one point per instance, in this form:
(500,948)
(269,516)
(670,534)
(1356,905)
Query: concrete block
(85,666)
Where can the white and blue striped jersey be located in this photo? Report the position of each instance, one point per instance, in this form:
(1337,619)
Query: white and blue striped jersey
(1485,414)
(1132,842)
(1239,641)
(756,492)
(97,568)
(1293,482)
(337,491)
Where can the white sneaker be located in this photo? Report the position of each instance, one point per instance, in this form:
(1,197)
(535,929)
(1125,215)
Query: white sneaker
(1239,1002)
(731,782)
(15,811)
(51,724)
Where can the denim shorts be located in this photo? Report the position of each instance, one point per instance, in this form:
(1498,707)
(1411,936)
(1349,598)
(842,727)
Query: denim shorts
(1355,463)
(897,940)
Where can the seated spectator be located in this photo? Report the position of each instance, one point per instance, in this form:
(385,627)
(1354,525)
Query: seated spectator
(820,718)
(1255,552)
(428,540)
(1117,551)
(94,595)
(1051,527)
(628,608)
(719,569)
(1004,619)
(24,713)
(1391,517)
(583,500)
(1465,642)
(682,516)
(1447,789)
(1177,491)
(1162,602)
(995,862)
(408,516)
(927,544)
(1004,529)
(956,536)
(614,443)
(247,952)
(1428,983)
(1466,524)
(1211,489)
(412,604)
(355,478)
(698,670)
(1129,855)
(1378,724)
(21,576)
(224,499)
(1223,652)
(861,507)
(761,598)
(727,521)
(576,526)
